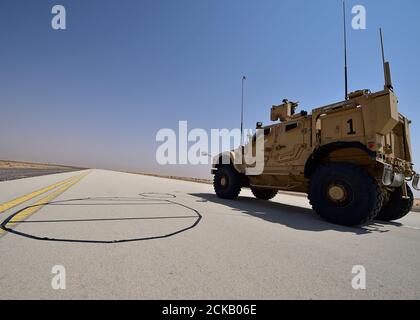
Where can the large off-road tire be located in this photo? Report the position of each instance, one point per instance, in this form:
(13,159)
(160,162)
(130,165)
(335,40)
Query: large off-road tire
(397,207)
(227,182)
(345,194)
(264,194)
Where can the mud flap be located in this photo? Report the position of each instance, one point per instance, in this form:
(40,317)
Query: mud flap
(416,180)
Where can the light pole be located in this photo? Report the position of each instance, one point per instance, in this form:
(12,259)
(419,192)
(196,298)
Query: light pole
(242,110)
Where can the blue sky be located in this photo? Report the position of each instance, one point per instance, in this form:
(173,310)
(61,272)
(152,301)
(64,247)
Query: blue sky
(96,94)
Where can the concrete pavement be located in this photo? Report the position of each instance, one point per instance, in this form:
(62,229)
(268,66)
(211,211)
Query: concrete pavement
(126,236)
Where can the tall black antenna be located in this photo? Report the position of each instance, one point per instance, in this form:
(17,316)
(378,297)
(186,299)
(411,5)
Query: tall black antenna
(345,54)
(387,68)
(382,46)
(242,110)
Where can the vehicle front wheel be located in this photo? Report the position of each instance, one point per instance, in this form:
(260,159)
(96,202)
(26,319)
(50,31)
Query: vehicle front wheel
(345,194)
(397,207)
(264,194)
(227,182)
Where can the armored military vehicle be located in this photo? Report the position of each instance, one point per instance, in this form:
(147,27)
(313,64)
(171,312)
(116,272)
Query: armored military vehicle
(353,158)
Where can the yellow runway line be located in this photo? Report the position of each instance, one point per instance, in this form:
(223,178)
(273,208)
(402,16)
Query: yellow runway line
(25,213)
(15,202)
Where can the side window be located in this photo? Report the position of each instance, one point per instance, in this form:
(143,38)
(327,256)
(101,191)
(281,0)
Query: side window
(291,126)
(266,133)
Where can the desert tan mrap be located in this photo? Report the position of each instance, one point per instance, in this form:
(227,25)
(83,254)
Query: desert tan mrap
(353,158)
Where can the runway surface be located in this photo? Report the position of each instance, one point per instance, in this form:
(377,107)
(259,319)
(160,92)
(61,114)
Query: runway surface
(127,236)
(7,174)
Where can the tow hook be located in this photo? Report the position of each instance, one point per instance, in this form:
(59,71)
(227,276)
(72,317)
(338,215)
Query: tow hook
(416,180)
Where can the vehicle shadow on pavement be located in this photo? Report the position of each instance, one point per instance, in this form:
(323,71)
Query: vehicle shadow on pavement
(292,216)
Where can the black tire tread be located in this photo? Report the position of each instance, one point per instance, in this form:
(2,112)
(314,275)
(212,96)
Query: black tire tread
(377,195)
(397,207)
(264,194)
(235,180)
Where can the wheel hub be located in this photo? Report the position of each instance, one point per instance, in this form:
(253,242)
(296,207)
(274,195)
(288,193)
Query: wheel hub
(223,182)
(337,193)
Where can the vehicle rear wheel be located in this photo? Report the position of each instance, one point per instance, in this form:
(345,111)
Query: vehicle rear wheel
(227,182)
(397,207)
(264,194)
(345,194)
